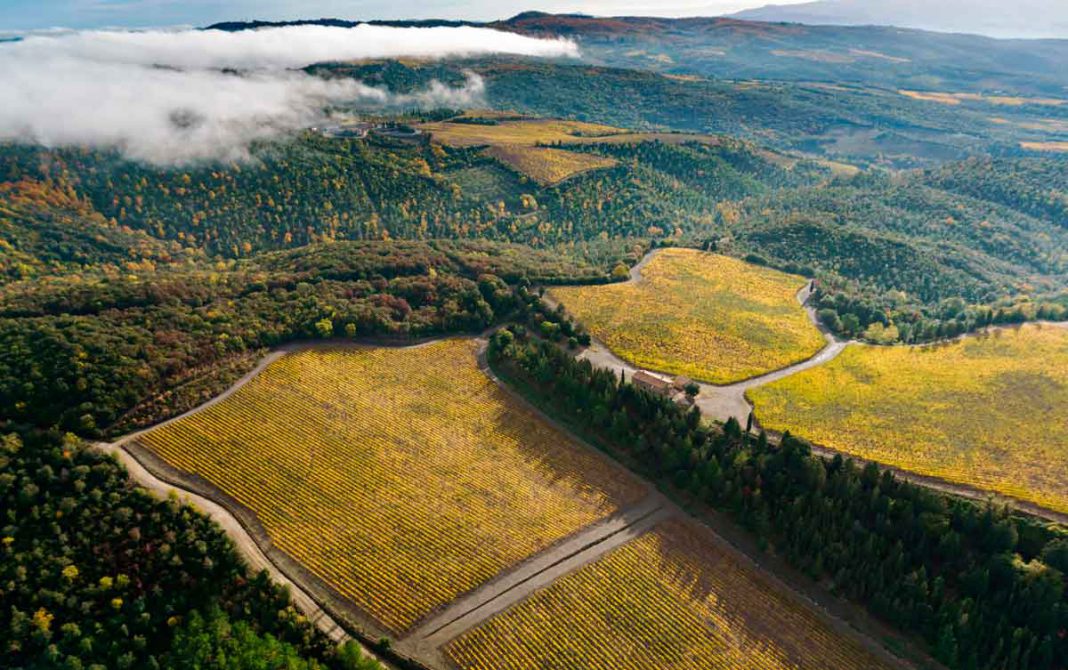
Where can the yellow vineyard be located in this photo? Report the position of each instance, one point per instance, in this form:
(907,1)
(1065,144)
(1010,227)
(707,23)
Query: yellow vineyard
(401,477)
(519,142)
(548,166)
(986,412)
(710,317)
(534,132)
(671,600)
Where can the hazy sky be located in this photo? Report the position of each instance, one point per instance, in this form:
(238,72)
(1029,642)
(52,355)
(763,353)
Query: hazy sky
(34,14)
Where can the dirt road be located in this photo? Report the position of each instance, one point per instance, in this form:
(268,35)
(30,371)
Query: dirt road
(514,586)
(244,543)
(720,402)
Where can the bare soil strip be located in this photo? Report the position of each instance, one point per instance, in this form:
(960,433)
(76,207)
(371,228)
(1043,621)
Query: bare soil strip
(498,595)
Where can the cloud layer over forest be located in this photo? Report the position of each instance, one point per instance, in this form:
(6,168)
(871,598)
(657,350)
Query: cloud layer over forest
(175,97)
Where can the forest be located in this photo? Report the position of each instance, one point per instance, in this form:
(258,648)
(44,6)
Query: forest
(107,355)
(932,253)
(982,587)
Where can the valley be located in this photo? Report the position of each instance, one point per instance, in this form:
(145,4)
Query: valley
(550,342)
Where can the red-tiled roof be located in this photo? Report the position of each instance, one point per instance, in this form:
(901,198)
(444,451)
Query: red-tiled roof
(647,379)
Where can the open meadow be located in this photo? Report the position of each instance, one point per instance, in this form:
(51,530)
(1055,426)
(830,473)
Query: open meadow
(986,411)
(401,477)
(710,317)
(671,599)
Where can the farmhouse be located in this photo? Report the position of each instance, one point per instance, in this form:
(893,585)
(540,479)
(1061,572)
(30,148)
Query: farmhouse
(652,383)
(681,382)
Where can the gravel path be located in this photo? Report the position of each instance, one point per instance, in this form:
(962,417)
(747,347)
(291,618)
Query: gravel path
(719,402)
(517,584)
(723,402)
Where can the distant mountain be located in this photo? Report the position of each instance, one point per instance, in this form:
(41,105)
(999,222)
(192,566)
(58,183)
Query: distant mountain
(996,18)
(735,49)
(866,55)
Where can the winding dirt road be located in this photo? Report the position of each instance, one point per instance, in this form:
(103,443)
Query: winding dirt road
(719,402)
(723,402)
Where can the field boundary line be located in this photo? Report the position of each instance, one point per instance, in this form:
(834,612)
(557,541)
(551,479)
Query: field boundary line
(546,568)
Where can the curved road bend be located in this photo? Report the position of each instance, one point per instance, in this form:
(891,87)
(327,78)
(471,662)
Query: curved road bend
(719,402)
(723,402)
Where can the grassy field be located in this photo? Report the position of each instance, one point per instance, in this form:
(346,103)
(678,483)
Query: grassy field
(671,600)
(988,412)
(710,317)
(401,477)
(527,132)
(549,166)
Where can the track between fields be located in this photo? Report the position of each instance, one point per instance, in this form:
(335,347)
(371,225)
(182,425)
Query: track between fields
(720,403)
(517,584)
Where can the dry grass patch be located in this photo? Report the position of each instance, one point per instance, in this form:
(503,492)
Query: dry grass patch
(401,477)
(709,317)
(986,411)
(1054,147)
(549,166)
(671,599)
(957,98)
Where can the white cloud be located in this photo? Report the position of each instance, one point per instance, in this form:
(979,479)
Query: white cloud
(175,97)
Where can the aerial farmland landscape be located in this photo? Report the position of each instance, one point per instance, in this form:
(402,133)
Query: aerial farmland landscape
(549,337)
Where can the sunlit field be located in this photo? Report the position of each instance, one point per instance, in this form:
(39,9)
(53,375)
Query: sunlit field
(710,317)
(672,600)
(401,477)
(988,412)
(548,166)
